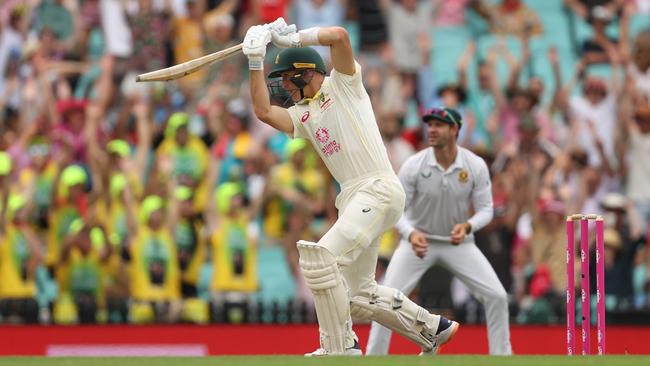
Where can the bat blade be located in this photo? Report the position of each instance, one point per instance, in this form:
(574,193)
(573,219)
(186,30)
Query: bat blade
(186,68)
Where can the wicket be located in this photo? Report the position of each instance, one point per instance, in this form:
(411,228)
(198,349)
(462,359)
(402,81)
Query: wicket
(585,290)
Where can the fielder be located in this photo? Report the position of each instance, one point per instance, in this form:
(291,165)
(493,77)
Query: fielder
(335,114)
(436,228)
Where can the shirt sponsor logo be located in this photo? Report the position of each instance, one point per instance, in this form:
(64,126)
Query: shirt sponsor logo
(328,148)
(305,117)
(322,135)
(426,175)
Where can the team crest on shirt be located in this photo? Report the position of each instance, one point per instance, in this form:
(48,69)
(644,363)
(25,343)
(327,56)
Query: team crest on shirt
(325,101)
(463,176)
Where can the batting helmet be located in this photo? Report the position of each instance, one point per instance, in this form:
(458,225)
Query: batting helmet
(305,58)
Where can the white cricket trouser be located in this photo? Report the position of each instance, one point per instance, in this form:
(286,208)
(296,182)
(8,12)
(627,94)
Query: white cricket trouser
(367,208)
(467,263)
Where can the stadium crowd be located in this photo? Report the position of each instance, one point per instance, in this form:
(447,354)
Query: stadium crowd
(168,201)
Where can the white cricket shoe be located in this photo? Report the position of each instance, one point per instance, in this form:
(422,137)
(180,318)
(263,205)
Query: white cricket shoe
(446,331)
(352,351)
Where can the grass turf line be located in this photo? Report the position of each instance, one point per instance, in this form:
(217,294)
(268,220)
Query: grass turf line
(327,361)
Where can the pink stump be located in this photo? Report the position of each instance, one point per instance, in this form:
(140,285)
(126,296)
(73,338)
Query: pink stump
(585,291)
(600,284)
(570,288)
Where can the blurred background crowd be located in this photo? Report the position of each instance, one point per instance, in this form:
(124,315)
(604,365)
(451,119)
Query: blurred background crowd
(170,202)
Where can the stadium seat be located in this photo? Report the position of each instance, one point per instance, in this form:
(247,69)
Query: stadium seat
(275,278)
(448,45)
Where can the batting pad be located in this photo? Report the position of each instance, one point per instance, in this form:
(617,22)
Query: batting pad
(331,300)
(390,308)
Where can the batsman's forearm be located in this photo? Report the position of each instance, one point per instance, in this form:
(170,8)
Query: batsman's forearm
(260,95)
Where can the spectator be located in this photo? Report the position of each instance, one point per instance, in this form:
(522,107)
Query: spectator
(294,183)
(510,17)
(155,276)
(20,255)
(319,13)
(53,16)
(187,153)
(149,30)
(398,149)
(598,48)
(234,252)
(450,13)
(190,243)
(408,21)
(117,230)
(584,7)
(188,40)
(84,254)
(373,30)
(70,203)
(11,41)
(637,168)
(638,69)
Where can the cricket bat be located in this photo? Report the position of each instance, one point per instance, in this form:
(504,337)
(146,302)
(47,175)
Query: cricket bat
(186,68)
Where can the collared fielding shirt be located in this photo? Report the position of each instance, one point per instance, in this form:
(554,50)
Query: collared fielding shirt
(438,199)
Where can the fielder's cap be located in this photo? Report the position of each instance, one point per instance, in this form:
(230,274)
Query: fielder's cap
(613,201)
(237,107)
(183,193)
(224,195)
(73,175)
(448,115)
(119,147)
(175,121)
(601,13)
(150,205)
(38,147)
(97,238)
(76,226)
(16,202)
(117,184)
(294,146)
(70,105)
(5,163)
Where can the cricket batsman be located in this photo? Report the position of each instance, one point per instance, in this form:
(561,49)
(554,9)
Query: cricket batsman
(334,113)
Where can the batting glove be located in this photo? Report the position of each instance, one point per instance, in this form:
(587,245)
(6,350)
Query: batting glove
(281,27)
(285,41)
(255,41)
(306,37)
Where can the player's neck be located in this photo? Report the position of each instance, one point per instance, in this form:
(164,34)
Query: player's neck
(446,155)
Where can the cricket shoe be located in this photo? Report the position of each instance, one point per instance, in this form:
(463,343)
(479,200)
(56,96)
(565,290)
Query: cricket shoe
(446,331)
(352,351)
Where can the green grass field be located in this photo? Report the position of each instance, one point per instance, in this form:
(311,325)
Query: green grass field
(328,361)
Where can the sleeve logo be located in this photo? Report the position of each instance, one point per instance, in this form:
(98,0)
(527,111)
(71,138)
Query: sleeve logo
(304,117)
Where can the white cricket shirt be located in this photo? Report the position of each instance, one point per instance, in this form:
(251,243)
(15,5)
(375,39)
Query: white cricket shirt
(436,200)
(340,123)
